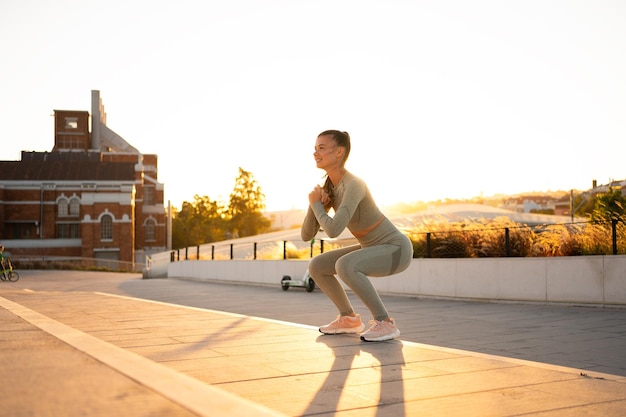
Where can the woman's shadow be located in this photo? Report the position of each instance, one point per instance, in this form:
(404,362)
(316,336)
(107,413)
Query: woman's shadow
(385,358)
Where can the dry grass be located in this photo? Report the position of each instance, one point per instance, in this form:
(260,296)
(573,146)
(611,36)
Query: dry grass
(487,238)
(441,238)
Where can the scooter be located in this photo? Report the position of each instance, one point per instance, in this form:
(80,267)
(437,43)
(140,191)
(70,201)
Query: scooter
(306,282)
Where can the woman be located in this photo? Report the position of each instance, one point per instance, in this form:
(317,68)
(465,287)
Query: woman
(382,250)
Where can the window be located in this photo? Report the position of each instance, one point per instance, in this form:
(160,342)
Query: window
(150,230)
(106,227)
(68,231)
(148,196)
(71,122)
(62,207)
(63,231)
(22,231)
(70,142)
(74,207)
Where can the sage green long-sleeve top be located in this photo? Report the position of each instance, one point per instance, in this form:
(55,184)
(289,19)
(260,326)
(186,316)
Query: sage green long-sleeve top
(354,208)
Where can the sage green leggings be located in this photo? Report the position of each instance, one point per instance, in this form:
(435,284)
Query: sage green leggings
(354,264)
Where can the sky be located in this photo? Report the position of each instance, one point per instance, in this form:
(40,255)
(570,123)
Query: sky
(442,99)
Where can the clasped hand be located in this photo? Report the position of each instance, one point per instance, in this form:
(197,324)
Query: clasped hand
(318,194)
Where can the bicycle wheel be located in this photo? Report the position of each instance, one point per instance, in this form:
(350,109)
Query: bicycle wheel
(13,276)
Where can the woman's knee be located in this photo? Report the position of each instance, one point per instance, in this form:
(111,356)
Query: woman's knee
(314,267)
(320,266)
(345,267)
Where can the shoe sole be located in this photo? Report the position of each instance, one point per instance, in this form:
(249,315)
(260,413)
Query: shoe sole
(356,330)
(393,335)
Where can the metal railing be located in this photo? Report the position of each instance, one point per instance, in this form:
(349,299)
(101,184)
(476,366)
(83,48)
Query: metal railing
(570,239)
(257,250)
(567,239)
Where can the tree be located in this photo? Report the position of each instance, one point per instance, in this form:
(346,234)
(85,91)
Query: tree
(610,206)
(198,222)
(246,206)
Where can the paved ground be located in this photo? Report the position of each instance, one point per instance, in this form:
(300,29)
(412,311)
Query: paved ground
(84,343)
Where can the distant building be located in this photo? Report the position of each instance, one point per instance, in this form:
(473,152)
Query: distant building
(93,197)
(530,203)
(605,188)
(561,206)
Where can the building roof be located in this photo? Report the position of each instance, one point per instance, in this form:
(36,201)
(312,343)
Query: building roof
(44,166)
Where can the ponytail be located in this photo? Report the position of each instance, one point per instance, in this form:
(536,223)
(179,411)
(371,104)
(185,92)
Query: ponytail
(328,189)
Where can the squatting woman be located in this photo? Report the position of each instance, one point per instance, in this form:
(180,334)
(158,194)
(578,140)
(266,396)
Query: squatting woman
(382,249)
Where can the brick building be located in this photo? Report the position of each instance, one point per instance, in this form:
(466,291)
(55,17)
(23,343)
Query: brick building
(93,197)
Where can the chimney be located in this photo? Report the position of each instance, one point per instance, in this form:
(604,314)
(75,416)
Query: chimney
(594,184)
(97,114)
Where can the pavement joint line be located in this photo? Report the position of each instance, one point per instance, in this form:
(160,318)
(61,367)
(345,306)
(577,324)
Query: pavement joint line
(188,392)
(515,361)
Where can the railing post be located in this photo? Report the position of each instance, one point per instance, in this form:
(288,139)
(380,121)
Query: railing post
(311,252)
(198,252)
(284,250)
(212,252)
(428,247)
(178,254)
(321,245)
(507,241)
(254,250)
(614,230)
(186,252)
(172,256)
(231,251)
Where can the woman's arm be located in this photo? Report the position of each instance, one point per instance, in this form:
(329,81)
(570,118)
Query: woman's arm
(333,226)
(310,226)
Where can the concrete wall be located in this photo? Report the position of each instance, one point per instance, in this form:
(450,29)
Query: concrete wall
(594,280)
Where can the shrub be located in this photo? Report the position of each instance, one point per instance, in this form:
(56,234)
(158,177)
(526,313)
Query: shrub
(557,240)
(487,238)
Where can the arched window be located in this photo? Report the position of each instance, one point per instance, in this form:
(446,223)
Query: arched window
(62,207)
(106,227)
(150,230)
(74,207)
